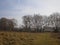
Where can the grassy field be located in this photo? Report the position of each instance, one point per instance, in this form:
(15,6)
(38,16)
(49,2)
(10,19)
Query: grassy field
(24,38)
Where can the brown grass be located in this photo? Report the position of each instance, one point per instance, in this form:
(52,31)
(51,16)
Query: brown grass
(24,38)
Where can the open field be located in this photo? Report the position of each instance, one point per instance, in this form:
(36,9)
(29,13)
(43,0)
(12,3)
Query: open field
(24,38)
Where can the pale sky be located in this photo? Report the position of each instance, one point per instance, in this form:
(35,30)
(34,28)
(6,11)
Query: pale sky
(17,8)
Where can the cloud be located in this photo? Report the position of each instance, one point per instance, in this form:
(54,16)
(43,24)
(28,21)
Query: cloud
(18,8)
(39,6)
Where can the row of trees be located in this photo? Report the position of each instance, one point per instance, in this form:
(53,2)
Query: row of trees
(38,22)
(32,23)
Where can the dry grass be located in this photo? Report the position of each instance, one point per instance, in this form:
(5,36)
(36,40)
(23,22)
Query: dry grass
(24,38)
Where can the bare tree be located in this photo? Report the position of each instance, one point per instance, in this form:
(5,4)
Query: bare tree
(27,22)
(3,23)
(7,24)
(37,21)
(55,18)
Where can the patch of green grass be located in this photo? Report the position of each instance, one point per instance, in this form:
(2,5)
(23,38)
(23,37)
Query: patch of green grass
(24,38)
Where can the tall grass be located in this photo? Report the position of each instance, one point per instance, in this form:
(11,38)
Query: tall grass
(24,38)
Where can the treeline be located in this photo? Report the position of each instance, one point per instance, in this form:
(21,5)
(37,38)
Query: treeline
(35,23)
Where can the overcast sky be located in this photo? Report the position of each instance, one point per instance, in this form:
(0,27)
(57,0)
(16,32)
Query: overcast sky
(18,8)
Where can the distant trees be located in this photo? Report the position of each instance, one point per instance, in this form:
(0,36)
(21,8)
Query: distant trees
(38,22)
(7,24)
(3,23)
(55,18)
(27,22)
(35,23)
